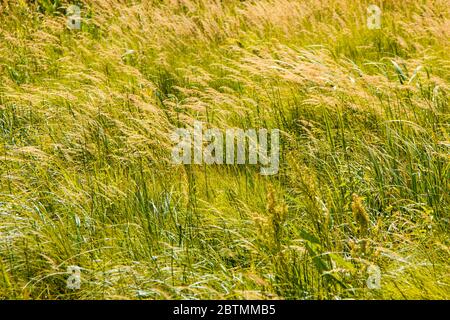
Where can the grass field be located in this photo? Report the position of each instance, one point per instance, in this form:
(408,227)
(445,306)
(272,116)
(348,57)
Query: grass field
(86,177)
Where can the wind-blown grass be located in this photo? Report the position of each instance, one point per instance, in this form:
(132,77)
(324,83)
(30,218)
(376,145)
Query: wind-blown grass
(87,179)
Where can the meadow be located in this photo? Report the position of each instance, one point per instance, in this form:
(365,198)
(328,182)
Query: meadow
(359,208)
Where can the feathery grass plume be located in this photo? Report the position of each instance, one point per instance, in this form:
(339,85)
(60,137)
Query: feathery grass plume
(360,214)
(277,210)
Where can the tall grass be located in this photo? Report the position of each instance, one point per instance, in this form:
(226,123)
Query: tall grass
(86,177)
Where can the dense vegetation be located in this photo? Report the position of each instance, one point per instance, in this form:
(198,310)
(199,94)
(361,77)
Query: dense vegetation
(85,150)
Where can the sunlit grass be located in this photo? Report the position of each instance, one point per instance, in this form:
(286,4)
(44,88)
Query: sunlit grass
(87,179)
